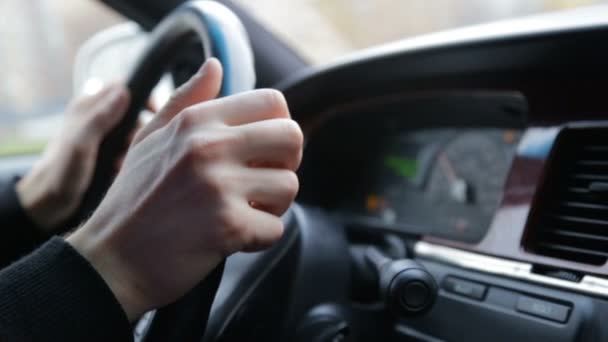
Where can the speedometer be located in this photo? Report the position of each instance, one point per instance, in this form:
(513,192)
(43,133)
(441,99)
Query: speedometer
(466,183)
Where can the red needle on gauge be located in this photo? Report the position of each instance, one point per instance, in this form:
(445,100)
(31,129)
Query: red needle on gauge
(458,186)
(447,168)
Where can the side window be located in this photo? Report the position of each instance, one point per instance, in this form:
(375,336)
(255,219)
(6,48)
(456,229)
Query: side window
(38,43)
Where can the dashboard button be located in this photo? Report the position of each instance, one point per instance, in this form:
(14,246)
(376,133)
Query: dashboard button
(465,288)
(542,308)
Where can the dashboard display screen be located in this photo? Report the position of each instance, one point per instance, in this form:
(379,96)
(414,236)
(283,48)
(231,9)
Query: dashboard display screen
(443,182)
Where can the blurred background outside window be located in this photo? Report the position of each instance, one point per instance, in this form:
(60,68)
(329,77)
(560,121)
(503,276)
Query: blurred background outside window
(322,30)
(38,43)
(39,40)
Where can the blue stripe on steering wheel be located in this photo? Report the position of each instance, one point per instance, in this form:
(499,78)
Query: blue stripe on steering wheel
(220,50)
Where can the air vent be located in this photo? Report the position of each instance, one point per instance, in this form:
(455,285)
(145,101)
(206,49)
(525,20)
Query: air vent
(569,219)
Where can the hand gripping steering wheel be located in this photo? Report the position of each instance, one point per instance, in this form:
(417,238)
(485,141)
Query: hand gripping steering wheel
(220,34)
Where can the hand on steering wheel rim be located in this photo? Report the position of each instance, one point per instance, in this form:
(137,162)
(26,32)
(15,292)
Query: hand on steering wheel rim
(221,35)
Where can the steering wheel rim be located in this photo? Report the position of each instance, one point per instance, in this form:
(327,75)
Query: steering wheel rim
(220,34)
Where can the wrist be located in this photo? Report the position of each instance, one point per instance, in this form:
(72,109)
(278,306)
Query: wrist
(47,200)
(36,201)
(108,265)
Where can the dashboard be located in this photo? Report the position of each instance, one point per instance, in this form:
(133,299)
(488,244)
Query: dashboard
(484,152)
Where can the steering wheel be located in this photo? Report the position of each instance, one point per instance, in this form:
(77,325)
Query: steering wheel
(218,33)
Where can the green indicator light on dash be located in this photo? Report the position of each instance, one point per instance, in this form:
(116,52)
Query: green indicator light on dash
(402,166)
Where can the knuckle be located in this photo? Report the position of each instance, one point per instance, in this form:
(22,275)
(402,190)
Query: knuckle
(230,138)
(208,150)
(217,145)
(291,185)
(274,232)
(201,149)
(293,134)
(274,99)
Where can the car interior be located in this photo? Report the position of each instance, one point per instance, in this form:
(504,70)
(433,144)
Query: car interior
(453,187)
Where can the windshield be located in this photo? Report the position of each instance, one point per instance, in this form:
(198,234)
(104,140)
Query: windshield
(321,30)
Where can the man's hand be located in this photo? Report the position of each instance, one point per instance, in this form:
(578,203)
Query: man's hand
(201,181)
(53,189)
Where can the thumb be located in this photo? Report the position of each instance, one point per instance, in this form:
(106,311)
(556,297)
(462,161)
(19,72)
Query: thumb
(203,86)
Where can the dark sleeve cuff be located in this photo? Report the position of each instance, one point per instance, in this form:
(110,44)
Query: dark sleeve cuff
(54,294)
(19,234)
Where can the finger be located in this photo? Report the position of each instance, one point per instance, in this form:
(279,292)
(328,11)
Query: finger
(202,86)
(242,108)
(108,111)
(270,190)
(84,102)
(263,229)
(271,143)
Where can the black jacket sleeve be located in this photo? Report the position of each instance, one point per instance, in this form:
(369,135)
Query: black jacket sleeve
(54,294)
(19,235)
